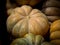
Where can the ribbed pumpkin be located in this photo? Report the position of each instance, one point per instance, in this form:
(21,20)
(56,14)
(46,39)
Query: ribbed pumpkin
(25,20)
(28,2)
(55,32)
(29,39)
(55,26)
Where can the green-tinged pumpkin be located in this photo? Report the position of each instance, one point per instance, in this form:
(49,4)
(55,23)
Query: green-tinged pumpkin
(29,39)
(25,20)
(51,11)
(56,42)
(28,2)
(47,43)
(55,26)
(53,18)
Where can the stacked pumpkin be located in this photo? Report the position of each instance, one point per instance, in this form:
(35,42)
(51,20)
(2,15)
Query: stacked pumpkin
(30,39)
(55,32)
(30,22)
(52,9)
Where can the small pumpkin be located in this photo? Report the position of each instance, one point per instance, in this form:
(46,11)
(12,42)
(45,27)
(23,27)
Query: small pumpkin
(51,11)
(56,42)
(25,20)
(53,18)
(28,2)
(29,39)
(55,26)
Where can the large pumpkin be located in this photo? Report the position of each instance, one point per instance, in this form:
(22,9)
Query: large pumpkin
(25,20)
(29,39)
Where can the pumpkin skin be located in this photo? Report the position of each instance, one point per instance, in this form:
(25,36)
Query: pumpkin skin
(27,2)
(55,35)
(53,18)
(56,42)
(55,26)
(29,39)
(51,3)
(27,20)
(51,11)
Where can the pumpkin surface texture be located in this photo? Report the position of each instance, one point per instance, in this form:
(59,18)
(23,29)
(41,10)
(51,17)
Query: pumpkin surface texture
(29,39)
(25,20)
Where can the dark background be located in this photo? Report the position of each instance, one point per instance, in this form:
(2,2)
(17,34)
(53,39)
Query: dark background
(4,36)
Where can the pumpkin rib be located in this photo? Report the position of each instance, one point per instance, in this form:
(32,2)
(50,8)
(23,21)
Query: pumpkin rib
(34,11)
(33,29)
(55,35)
(27,9)
(9,22)
(16,26)
(20,11)
(55,26)
(25,28)
(19,41)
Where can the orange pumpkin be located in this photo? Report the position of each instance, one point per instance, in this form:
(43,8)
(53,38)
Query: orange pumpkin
(25,20)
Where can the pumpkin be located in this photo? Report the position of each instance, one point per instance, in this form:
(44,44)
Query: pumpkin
(28,39)
(25,20)
(53,18)
(28,2)
(56,42)
(52,3)
(55,35)
(55,26)
(51,11)
(47,43)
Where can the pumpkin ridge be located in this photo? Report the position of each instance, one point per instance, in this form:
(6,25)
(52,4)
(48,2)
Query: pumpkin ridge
(40,23)
(15,26)
(32,23)
(25,7)
(25,21)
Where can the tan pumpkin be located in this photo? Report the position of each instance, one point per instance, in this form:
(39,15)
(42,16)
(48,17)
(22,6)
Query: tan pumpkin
(25,20)
(55,26)
(28,2)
